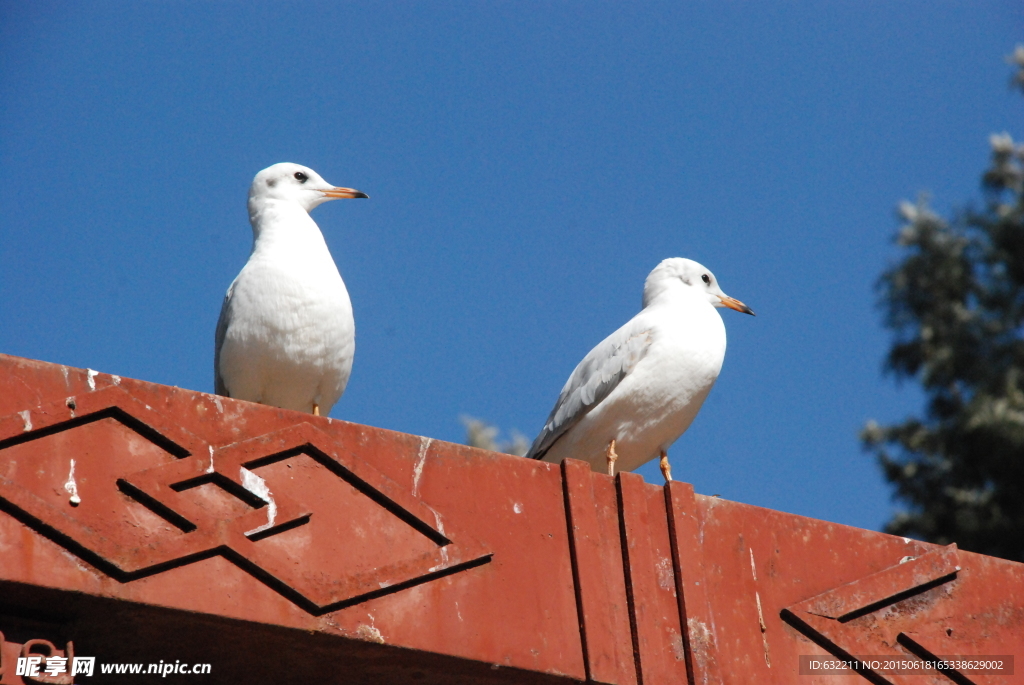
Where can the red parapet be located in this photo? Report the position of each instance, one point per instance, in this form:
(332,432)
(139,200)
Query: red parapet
(143,524)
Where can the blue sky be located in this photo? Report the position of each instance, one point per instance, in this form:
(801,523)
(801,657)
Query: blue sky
(528,164)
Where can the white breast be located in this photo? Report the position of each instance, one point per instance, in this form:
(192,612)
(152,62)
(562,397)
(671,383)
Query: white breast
(290,339)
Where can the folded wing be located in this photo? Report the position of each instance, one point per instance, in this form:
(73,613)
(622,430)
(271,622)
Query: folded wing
(594,379)
(222,327)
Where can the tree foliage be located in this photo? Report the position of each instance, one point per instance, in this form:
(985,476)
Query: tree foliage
(485,436)
(955,304)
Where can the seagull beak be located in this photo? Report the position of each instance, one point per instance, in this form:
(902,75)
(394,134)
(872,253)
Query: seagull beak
(733,303)
(343,193)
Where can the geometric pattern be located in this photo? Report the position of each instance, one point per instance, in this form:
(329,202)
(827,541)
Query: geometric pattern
(889,614)
(293,508)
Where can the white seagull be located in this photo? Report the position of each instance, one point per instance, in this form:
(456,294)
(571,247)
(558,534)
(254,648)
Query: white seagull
(286,336)
(642,386)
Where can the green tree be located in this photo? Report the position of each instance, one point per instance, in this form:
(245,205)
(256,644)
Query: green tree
(955,304)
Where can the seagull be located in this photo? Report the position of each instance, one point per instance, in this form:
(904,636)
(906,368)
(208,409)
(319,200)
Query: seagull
(286,336)
(635,393)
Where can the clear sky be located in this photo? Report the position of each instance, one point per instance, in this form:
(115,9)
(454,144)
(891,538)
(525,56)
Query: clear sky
(528,164)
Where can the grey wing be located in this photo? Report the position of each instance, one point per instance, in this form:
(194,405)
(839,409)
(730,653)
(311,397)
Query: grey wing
(222,328)
(594,379)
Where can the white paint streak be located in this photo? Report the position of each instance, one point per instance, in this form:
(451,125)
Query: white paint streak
(220,407)
(209,469)
(116,379)
(26,417)
(666,575)
(457,612)
(91,378)
(258,487)
(64,370)
(72,487)
(369,632)
(417,471)
(760,614)
(764,630)
(440,529)
(701,641)
(518,508)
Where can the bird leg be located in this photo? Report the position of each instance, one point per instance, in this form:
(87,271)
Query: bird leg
(316,409)
(612,457)
(666,470)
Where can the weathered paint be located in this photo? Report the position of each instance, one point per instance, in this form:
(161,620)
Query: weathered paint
(228,524)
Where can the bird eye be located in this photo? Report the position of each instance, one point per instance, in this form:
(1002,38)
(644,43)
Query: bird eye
(706,279)
(301,177)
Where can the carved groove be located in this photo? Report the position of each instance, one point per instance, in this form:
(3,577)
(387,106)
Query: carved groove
(224,483)
(115,549)
(831,647)
(673,537)
(575,569)
(116,413)
(360,485)
(397,587)
(627,572)
(899,597)
(166,513)
(920,652)
(282,528)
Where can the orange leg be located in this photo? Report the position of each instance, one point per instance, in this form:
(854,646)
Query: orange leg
(316,409)
(612,457)
(666,470)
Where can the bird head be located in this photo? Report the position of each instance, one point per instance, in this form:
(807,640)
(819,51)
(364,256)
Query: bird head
(295,183)
(684,277)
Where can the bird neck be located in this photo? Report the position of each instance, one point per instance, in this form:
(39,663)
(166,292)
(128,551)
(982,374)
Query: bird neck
(680,298)
(282,223)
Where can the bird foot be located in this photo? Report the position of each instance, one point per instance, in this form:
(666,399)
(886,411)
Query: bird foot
(612,458)
(316,409)
(666,470)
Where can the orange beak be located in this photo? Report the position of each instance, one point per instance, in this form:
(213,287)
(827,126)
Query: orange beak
(733,303)
(343,193)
